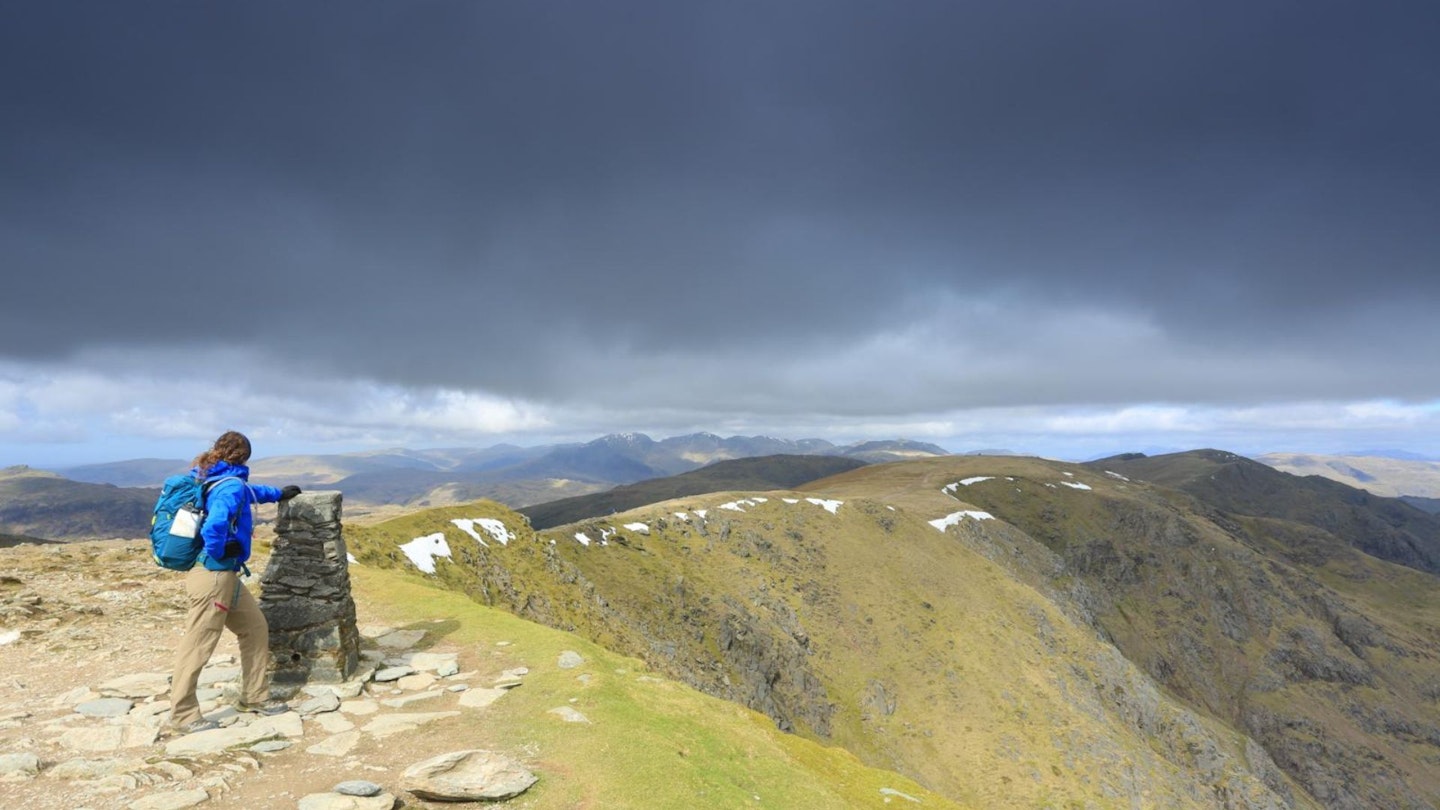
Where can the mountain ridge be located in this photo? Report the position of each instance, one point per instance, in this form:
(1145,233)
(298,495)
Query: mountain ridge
(812,605)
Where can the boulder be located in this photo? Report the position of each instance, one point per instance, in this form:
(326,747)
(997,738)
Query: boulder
(467,776)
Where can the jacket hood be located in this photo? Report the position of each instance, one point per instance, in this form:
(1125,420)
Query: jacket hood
(221,469)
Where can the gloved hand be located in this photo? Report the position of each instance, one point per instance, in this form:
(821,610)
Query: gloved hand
(288,492)
(233,548)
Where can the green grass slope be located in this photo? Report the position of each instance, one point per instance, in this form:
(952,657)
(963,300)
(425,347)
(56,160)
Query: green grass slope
(746,474)
(650,742)
(864,627)
(1322,654)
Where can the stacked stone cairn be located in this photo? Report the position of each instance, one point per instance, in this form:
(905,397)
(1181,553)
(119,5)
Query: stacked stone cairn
(306,596)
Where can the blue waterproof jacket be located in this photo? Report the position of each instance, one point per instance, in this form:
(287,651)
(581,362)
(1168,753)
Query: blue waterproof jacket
(227,502)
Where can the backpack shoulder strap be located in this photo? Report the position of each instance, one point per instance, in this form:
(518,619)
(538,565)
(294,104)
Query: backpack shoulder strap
(245,496)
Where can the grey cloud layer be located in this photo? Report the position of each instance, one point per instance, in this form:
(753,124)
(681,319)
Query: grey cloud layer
(525,196)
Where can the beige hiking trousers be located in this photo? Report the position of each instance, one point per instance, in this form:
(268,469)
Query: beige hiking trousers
(217,600)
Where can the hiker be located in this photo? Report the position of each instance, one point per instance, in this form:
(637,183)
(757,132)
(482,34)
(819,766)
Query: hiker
(215,595)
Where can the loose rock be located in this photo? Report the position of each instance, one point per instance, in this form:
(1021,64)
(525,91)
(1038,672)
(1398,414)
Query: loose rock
(358,787)
(105,707)
(387,724)
(569,715)
(170,801)
(316,705)
(337,745)
(207,742)
(138,685)
(419,697)
(339,801)
(480,698)
(416,682)
(393,674)
(472,775)
(430,662)
(16,767)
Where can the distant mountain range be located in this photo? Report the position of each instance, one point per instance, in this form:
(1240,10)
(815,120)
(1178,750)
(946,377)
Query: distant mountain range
(106,500)
(1387,475)
(400,475)
(760,473)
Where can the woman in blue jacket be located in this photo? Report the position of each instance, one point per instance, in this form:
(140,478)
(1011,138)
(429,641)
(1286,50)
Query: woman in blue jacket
(217,598)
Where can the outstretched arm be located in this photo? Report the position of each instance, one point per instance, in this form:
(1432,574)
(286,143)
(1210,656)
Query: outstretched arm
(268,494)
(265,494)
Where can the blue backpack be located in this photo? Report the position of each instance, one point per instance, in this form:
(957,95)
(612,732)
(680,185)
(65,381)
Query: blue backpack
(175,541)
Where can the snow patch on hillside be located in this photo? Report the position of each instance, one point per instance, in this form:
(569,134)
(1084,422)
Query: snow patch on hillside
(422,551)
(739,506)
(954,518)
(833,507)
(1116,475)
(1074,484)
(491,526)
(951,489)
(641,528)
(582,538)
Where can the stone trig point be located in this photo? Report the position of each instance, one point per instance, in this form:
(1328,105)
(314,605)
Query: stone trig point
(306,595)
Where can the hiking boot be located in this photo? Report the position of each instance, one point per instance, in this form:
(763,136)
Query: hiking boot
(196,726)
(269,708)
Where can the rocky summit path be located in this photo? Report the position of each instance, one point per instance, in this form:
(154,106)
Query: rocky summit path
(87,632)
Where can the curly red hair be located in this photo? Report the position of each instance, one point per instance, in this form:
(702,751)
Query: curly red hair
(232,446)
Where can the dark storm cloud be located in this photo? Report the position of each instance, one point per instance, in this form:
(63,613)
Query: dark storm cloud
(461,193)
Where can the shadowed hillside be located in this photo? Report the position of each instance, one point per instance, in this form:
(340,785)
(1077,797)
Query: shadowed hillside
(8,540)
(763,473)
(1383,527)
(1431,505)
(45,505)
